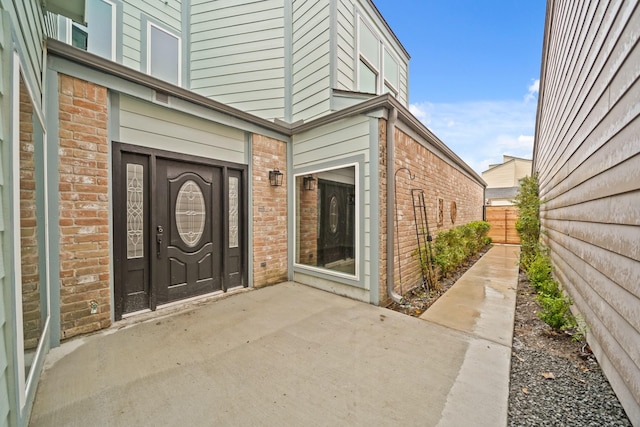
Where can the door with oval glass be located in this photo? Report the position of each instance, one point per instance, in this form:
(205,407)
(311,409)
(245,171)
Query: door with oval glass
(180,227)
(187,230)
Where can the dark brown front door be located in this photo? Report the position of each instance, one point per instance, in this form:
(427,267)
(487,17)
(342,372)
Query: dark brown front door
(179,227)
(336,222)
(187,234)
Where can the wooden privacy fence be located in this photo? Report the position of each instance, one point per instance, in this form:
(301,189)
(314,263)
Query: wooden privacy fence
(503,224)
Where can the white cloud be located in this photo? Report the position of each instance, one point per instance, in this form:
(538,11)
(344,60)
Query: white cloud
(533,89)
(480,132)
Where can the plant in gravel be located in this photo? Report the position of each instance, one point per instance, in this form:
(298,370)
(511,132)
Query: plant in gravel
(528,223)
(555,311)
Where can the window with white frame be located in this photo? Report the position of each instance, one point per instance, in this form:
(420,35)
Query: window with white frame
(163,54)
(99,36)
(378,69)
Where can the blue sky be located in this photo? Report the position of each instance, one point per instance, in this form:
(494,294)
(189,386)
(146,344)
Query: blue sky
(473,73)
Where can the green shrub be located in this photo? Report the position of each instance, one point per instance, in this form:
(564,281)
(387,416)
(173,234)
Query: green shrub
(528,223)
(452,247)
(539,269)
(555,312)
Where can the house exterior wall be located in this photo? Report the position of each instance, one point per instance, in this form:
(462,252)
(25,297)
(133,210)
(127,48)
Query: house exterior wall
(237,54)
(442,184)
(507,174)
(342,142)
(269,216)
(155,126)
(311,55)
(587,155)
(83,207)
(7,310)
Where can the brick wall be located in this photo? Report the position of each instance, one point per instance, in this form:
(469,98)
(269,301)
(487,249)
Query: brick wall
(269,212)
(442,184)
(84,207)
(28,226)
(307,213)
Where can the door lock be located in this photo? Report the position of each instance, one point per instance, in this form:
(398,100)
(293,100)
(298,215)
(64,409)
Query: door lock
(159,237)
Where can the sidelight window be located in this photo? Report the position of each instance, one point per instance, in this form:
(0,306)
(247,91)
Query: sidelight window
(135,211)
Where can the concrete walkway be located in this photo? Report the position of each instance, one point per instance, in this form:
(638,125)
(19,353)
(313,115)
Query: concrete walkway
(291,355)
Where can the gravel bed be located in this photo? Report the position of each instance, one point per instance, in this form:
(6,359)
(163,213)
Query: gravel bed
(555,381)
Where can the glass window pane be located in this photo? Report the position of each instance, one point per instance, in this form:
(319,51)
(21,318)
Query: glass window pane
(233,212)
(190,213)
(369,46)
(326,221)
(135,211)
(79,37)
(164,57)
(368,79)
(100,27)
(391,69)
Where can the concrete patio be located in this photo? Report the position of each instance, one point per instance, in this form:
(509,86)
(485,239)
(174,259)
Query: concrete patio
(293,355)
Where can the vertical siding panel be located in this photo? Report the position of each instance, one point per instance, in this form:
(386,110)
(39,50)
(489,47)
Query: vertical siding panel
(587,154)
(241,43)
(4,129)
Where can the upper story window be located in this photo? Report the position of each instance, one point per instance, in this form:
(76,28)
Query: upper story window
(99,36)
(163,54)
(378,70)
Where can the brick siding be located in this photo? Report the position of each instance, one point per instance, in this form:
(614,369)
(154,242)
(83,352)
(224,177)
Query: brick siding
(84,207)
(269,212)
(28,226)
(442,185)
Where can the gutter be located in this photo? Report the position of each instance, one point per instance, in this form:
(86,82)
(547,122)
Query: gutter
(391,200)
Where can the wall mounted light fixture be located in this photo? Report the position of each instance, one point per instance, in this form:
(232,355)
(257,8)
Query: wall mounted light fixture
(309,183)
(275,178)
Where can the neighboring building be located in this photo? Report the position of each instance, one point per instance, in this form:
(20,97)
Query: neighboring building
(138,173)
(587,156)
(503,183)
(503,180)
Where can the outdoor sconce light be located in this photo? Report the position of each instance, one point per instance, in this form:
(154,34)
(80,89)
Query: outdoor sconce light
(309,183)
(275,178)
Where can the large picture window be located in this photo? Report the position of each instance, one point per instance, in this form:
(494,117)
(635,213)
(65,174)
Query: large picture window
(326,225)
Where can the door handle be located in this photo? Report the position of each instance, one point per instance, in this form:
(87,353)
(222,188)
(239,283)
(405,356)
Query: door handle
(159,243)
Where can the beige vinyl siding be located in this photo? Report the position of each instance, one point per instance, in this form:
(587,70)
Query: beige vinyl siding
(342,139)
(153,126)
(311,56)
(169,13)
(587,154)
(346,46)
(237,54)
(5,329)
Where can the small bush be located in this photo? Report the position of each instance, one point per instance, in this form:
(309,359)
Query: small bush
(555,312)
(539,269)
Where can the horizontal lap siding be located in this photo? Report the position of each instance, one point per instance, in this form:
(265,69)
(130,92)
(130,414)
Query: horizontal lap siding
(30,34)
(588,158)
(311,56)
(156,127)
(237,54)
(346,46)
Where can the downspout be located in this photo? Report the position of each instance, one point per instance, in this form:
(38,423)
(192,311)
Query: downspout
(391,200)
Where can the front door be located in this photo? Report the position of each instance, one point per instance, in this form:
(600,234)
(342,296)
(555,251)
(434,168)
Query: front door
(187,230)
(336,222)
(179,227)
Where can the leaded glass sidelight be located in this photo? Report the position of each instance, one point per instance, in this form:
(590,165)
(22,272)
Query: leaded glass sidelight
(135,211)
(233,212)
(190,213)
(333,214)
